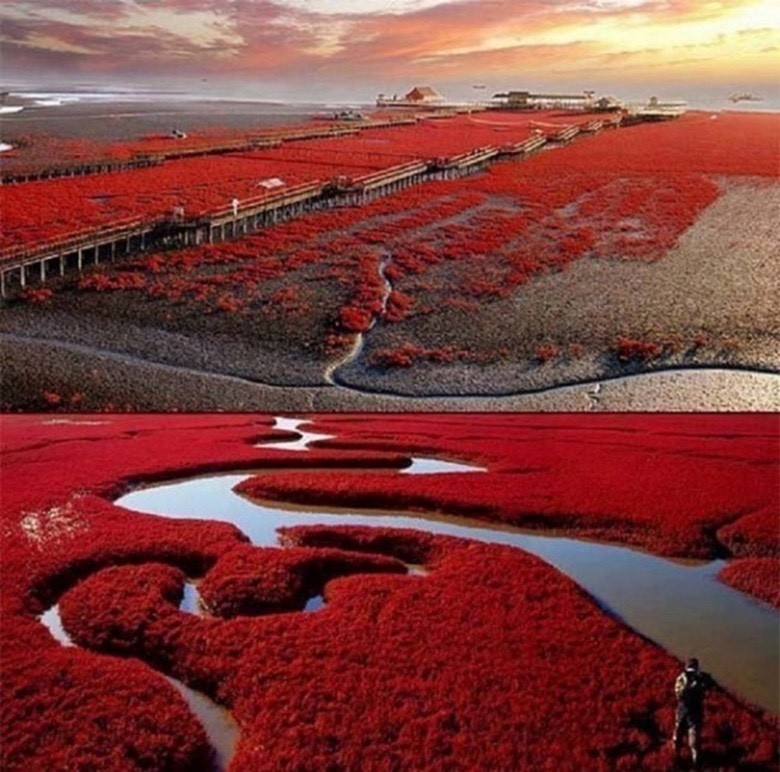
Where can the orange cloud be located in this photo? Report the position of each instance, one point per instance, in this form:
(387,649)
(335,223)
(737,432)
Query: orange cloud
(351,42)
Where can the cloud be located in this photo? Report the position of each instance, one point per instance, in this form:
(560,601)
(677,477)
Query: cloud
(383,42)
(199,27)
(360,7)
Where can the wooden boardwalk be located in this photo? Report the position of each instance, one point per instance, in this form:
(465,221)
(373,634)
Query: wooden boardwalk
(35,263)
(140,160)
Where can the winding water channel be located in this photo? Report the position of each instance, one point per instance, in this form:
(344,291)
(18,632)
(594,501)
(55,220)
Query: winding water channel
(355,350)
(677,604)
(218,723)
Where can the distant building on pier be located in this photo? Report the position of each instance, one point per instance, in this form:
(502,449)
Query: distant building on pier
(655,109)
(418,97)
(526,100)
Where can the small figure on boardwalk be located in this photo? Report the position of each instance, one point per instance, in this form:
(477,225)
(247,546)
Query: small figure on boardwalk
(234,204)
(690,689)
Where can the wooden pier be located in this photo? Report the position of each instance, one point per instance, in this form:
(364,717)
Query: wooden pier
(35,264)
(22,266)
(141,160)
(566,134)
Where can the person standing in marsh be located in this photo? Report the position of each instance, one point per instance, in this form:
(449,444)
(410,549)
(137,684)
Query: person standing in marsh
(690,689)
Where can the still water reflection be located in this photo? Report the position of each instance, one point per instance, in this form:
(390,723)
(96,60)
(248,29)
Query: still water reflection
(679,605)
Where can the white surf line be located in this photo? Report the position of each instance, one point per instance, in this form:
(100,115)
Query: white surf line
(48,95)
(218,723)
(681,607)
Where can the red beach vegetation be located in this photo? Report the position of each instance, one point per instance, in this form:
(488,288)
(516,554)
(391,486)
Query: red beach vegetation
(601,197)
(413,266)
(477,659)
(759,577)
(676,485)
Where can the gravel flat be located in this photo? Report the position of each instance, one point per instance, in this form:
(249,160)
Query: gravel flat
(719,285)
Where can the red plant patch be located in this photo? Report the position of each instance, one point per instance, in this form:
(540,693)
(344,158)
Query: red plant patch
(615,196)
(476,660)
(69,709)
(759,577)
(251,580)
(54,208)
(36,297)
(298,683)
(754,535)
(407,354)
(666,483)
(630,350)
(625,194)
(546,352)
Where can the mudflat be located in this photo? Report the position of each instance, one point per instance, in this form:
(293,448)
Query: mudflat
(462,295)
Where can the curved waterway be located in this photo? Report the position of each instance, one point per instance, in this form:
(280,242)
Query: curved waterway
(672,389)
(331,372)
(218,723)
(677,604)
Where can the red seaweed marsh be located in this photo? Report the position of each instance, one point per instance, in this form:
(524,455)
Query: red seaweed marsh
(617,269)
(236,591)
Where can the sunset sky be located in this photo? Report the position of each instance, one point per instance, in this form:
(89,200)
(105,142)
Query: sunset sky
(356,48)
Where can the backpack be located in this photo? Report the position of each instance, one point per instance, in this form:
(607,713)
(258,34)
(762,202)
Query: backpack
(690,686)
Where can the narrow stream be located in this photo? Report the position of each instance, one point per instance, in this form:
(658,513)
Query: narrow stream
(299,443)
(360,339)
(218,723)
(734,388)
(678,604)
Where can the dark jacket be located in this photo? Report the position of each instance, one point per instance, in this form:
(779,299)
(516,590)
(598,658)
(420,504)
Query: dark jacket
(690,687)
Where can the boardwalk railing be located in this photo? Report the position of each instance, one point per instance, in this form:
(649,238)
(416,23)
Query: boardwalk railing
(140,160)
(386,177)
(71,241)
(566,134)
(75,250)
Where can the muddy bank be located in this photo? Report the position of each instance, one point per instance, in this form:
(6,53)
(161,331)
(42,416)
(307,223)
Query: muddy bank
(709,301)
(90,380)
(118,120)
(271,353)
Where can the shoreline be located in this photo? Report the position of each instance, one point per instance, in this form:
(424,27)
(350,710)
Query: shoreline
(97,93)
(154,387)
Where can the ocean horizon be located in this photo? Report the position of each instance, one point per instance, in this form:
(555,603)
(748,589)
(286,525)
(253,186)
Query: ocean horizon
(45,97)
